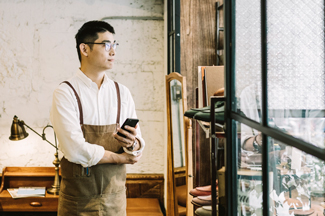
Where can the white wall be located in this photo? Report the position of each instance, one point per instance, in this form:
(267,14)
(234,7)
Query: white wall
(37,52)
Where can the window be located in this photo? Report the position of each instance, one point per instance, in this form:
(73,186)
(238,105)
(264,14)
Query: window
(276,96)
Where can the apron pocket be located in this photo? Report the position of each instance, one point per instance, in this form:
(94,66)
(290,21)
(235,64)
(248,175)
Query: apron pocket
(67,206)
(89,213)
(114,204)
(89,207)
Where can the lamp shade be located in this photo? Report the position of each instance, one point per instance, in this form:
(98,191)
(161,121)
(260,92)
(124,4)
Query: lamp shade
(18,131)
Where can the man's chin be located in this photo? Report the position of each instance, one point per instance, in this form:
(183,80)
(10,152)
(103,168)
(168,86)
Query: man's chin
(110,66)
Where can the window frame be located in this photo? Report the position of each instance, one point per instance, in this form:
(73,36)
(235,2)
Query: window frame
(173,37)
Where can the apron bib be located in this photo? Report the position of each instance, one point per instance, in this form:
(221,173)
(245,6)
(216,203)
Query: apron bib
(98,190)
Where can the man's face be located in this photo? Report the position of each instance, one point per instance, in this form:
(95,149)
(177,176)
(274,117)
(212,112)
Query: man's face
(98,57)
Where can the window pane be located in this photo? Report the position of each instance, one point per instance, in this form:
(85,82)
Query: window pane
(249,184)
(299,188)
(296,68)
(296,179)
(248,57)
(296,77)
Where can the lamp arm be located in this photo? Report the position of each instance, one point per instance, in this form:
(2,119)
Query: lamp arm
(43,137)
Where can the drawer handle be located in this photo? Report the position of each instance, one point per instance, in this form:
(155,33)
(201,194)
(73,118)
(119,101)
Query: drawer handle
(36,204)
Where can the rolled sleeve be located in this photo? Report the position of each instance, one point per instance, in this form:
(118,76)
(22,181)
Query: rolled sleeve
(142,143)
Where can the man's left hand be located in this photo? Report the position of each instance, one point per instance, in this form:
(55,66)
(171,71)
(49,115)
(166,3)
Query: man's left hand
(128,141)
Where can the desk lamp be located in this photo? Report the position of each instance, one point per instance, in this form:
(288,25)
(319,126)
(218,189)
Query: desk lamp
(18,132)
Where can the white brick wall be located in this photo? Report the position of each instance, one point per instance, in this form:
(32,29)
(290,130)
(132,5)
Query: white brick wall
(37,52)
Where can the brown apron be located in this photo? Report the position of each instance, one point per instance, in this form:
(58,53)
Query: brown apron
(98,190)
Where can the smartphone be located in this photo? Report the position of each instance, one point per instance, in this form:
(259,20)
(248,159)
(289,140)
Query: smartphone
(130,122)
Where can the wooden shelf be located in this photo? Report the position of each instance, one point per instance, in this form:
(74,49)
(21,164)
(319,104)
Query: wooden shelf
(206,128)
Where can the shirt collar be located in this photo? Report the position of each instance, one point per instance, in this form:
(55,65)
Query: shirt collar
(105,81)
(88,81)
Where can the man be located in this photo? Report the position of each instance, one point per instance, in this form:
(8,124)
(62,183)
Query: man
(86,113)
(250,105)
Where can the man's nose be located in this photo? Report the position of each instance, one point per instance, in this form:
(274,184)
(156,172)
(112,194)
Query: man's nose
(112,52)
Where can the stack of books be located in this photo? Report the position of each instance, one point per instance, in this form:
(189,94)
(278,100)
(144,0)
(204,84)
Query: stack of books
(22,192)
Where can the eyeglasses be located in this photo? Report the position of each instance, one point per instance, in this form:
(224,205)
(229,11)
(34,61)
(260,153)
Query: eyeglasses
(108,45)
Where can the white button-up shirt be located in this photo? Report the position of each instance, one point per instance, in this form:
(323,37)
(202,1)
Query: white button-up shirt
(99,108)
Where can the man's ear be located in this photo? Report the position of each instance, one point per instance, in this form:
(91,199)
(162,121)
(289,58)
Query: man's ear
(84,49)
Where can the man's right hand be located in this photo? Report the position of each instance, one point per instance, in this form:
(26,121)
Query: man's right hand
(259,138)
(248,145)
(126,158)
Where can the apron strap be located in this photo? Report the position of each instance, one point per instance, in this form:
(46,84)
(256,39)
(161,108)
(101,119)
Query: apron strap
(79,103)
(80,107)
(118,103)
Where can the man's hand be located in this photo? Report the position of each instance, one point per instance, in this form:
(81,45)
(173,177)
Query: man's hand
(248,145)
(126,158)
(259,138)
(130,133)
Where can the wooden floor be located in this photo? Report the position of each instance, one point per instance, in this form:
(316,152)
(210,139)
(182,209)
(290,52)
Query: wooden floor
(143,206)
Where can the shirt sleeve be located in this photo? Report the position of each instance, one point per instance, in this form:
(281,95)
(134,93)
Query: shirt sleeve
(249,107)
(65,120)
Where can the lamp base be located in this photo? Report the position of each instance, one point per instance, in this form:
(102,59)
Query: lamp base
(53,190)
(56,185)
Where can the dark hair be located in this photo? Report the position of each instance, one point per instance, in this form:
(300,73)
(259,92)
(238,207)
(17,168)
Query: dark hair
(89,33)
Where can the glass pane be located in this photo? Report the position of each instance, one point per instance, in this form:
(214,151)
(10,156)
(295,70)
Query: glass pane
(296,77)
(248,58)
(299,186)
(249,184)
(296,179)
